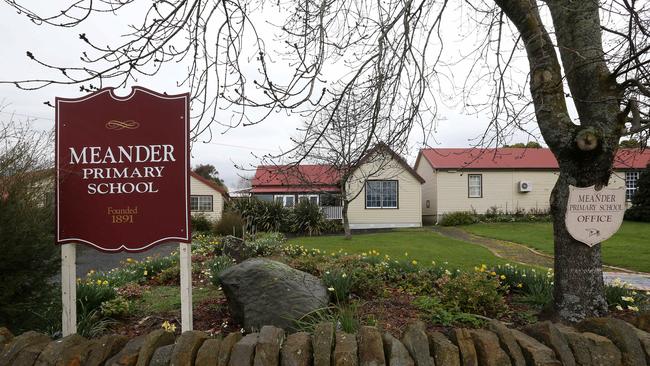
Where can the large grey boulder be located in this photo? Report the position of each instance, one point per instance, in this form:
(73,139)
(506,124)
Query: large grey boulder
(262,292)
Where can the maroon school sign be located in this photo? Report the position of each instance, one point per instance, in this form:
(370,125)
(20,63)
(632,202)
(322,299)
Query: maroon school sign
(122,169)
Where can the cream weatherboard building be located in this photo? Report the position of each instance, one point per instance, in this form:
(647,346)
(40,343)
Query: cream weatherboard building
(386,190)
(505,179)
(206,197)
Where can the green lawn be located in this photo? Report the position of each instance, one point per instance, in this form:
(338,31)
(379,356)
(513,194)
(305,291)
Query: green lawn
(422,245)
(628,248)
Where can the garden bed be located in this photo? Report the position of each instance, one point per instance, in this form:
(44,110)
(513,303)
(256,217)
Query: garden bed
(369,287)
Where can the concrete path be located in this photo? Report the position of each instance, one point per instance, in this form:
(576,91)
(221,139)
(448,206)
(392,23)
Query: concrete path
(524,255)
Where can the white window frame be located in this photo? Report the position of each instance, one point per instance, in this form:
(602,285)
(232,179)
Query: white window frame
(202,203)
(631,181)
(381,194)
(470,186)
(309,197)
(284,198)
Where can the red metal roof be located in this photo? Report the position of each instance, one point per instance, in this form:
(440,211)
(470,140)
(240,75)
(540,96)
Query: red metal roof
(295,178)
(518,158)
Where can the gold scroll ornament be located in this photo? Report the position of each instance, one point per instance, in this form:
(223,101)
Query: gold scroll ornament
(122,125)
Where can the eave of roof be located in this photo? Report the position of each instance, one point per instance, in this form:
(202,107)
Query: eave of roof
(210,184)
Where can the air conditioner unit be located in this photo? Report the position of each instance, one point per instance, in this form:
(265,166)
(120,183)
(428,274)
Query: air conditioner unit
(525,186)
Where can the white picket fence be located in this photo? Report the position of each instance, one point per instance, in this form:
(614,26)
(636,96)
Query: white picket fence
(332,212)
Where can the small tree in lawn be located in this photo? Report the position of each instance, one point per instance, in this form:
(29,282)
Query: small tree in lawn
(349,141)
(640,210)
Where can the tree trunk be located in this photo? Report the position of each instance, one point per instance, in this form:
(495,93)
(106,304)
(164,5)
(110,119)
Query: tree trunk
(578,289)
(346,221)
(585,152)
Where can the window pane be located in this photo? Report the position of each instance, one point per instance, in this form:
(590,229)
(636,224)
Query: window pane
(389,194)
(205,203)
(313,199)
(474,185)
(288,201)
(194,203)
(373,194)
(200,203)
(631,179)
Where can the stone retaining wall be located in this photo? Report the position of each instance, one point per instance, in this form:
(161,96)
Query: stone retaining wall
(597,341)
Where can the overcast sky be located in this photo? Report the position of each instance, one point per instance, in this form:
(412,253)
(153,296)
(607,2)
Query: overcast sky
(226,150)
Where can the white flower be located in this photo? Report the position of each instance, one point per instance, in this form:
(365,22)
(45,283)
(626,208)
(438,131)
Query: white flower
(633,308)
(344,275)
(627,298)
(330,289)
(619,307)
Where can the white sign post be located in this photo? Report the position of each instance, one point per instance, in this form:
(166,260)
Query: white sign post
(594,216)
(69,288)
(185,258)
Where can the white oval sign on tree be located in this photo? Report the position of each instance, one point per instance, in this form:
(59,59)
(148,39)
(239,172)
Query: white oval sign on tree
(594,216)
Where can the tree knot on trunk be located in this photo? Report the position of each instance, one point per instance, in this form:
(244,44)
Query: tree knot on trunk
(587,139)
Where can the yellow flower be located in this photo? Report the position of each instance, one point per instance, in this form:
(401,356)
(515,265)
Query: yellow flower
(168,327)
(129,260)
(414,262)
(493,273)
(145,272)
(99,282)
(503,277)
(519,285)
(105,283)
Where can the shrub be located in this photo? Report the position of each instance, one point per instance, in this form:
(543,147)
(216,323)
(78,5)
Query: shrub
(339,284)
(91,294)
(200,223)
(116,308)
(331,227)
(437,313)
(474,293)
(217,265)
(458,218)
(27,253)
(620,296)
(535,286)
(345,317)
(231,223)
(169,276)
(133,271)
(91,323)
(261,215)
(306,217)
(265,244)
